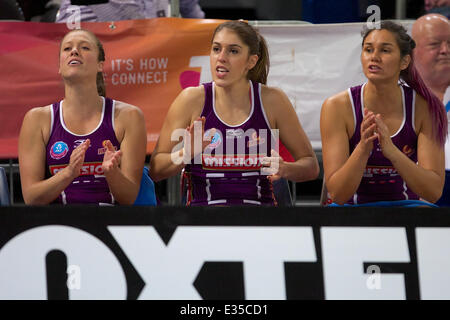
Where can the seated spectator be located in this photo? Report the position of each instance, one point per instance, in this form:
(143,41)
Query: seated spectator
(383,140)
(236,113)
(116,10)
(431,33)
(39,10)
(86,148)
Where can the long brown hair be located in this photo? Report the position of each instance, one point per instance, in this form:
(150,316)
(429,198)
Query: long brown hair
(101,89)
(257,45)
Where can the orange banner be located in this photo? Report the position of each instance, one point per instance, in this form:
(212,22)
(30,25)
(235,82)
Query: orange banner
(148,62)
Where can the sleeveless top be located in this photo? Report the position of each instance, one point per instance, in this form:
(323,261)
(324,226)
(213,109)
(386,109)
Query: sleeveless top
(90,186)
(229,172)
(381,180)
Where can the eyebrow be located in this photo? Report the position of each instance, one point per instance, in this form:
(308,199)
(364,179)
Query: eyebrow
(231,45)
(384,44)
(82,42)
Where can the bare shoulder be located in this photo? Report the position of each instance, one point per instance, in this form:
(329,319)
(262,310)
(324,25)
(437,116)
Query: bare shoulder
(340,102)
(277,105)
(127,117)
(37,120)
(267,91)
(191,99)
(39,117)
(337,114)
(123,109)
(39,113)
(193,93)
(274,97)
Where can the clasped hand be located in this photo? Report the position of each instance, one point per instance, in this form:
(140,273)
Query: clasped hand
(111,159)
(373,127)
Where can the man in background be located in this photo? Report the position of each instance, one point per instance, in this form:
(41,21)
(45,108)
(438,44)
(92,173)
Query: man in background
(431,33)
(115,10)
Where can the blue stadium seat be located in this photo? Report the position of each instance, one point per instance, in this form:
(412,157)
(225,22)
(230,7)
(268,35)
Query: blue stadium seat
(4,191)
(146,195)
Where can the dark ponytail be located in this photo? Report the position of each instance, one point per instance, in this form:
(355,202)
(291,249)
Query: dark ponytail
(257,45)
(260,71)
(412,78)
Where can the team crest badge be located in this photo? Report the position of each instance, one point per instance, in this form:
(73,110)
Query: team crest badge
(215,141)
(59,150)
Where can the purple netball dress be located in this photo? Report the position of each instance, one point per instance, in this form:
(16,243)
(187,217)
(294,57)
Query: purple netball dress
(229,171)
(381,181)
(91,186)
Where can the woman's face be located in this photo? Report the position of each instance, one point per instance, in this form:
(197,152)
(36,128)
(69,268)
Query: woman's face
(229,58)
(380,56)
(79,56)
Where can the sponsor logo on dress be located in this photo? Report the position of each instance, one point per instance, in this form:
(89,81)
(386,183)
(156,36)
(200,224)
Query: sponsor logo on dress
(232,162)
(88,168)
(215,141)
(59,150)
(232,133)
(370,171)
(255,140)
(101,151)
(407,150)
(76,143)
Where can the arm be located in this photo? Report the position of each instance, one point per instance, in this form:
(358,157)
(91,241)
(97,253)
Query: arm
(283,117)
(343,172)
(426,179)
(33,138)
(123,169)
(186,107)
